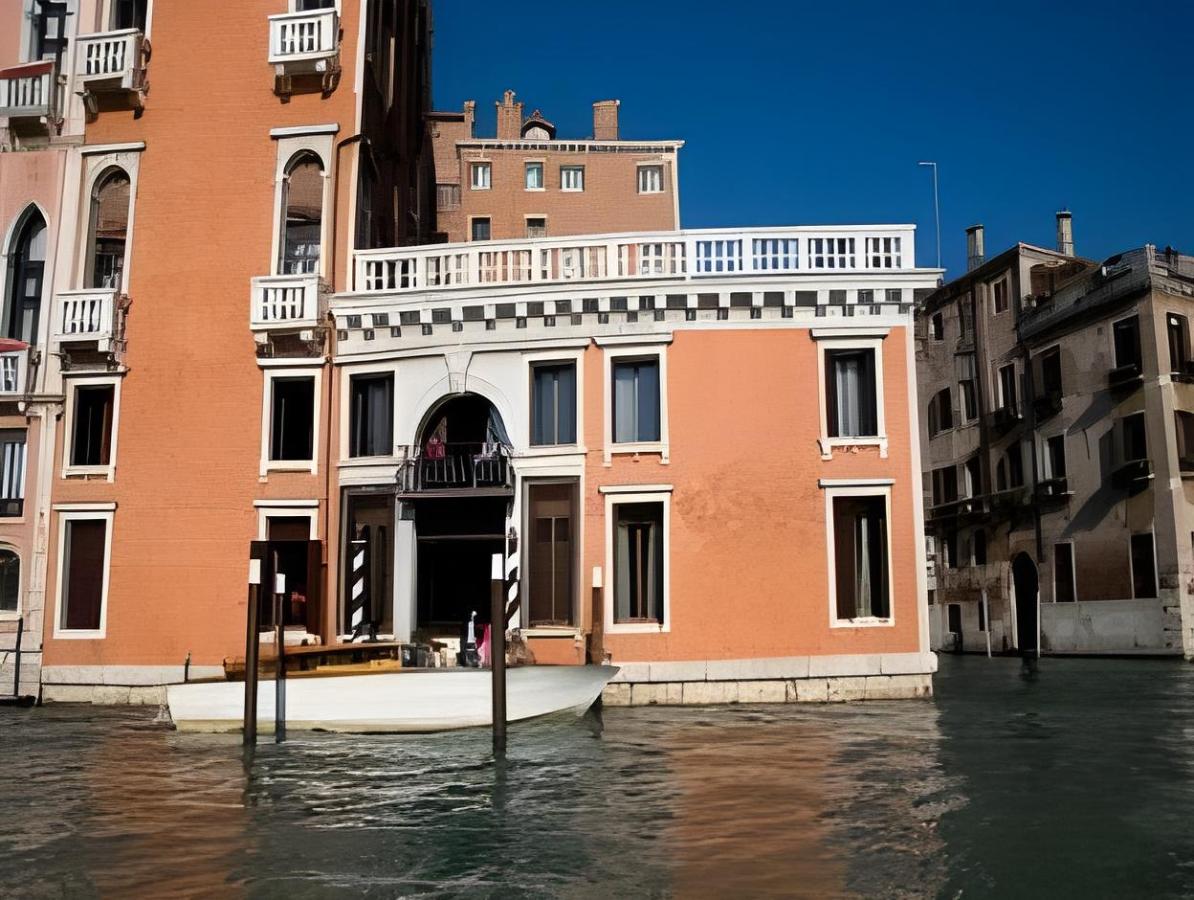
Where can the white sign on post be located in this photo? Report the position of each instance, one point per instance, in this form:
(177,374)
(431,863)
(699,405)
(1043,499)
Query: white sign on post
(254,571)
(280,583)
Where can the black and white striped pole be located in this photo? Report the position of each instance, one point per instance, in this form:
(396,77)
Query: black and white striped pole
(359,594)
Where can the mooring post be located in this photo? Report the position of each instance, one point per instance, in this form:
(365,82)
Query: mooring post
(280,650)
(497,652)
(16,674)
(252,647)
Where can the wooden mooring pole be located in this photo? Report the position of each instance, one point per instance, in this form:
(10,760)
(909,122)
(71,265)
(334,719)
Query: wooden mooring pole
(280,651)
(497,652)
(252,647)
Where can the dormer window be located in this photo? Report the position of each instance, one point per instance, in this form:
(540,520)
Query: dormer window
(537,128)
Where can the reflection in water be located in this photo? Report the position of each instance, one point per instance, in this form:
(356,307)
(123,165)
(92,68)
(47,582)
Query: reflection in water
(1077,782)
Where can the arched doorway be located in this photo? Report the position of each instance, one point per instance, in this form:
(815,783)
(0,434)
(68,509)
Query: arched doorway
(460,486)
(1024,578)
(22,306)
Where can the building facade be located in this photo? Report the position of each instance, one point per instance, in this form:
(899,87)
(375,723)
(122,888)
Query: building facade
(528,182)
(696,449)
(1053,415)
(194,185)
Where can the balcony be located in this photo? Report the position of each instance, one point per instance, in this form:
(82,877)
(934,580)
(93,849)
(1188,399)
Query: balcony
(1133,474)
(1125,378)
(1004,418)
(284,303)
(86,316)
(457,470)
(1053,490)
(27,92)
(113,64)
(14,368)
(671,256)
(1047,405)
(304,44)
(958,510)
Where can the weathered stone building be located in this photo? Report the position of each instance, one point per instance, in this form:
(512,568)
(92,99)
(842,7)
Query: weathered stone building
(1056,426)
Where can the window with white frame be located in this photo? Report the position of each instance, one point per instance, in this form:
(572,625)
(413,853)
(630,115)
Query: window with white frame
(302,216)
(91,425)
(831,253)
(1001,294)
(851,404)
(479,228)
(107,234)
(553,403)
(481,175)
(536,226)
(636,400)
(10,581)
(371,415)
(84,544)
(639,560)
(292,418)
(534,176)
(572,178)
(650,179)
(860,562)
(883,252)
(1053,458)
(12,472)
(1007,388)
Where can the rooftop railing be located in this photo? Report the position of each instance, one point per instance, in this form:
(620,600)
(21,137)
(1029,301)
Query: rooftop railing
(682,255)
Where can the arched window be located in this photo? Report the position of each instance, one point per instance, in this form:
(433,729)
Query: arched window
(10,580)
(108,232)
(302,216)
(22,306)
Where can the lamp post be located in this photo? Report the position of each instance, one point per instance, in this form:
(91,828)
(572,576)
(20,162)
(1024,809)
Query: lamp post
(936,207)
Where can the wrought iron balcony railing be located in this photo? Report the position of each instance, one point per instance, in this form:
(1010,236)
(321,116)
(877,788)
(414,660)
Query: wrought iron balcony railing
(461,468)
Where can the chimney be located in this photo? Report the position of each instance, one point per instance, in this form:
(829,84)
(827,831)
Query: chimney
(1065,232)
(509,118)
(470,117)
(974,247)
(605,120)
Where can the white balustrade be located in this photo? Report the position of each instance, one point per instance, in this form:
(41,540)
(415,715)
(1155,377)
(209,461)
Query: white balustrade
(27,91)
(303,36)
(284,301)
(110,56)
(86,315)
(662,255)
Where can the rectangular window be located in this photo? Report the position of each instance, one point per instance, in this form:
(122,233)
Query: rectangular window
(1127,343)
(534,176)
(974,477)
(1063,573)
(1051,372)
(537,227)
(883,252)
(1184,425)
(1144,566)
(850,393)
(860,557)
(953,614)
(941,412)
(1015,465)
(91,428)
(982,615)
(12,472)
(292,419)
(1135,440)
(969,400)
(978,545)
(553,404)
(572,178)
(1179,342)
(636,401)
(481,176)
(1055,457)
(84,543)
(650,179)
(371,429)
(131,14)
(1000,289)
(831,253)
(480,229)
(945,485)
(638,563)
(550,560)
(1007,388)
(447,196)
(937,327)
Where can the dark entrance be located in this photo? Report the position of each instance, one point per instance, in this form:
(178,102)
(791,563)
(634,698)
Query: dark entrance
(550,552)
(460,484)
(1024,577)
(289,551)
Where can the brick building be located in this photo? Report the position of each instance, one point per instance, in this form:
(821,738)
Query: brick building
(1056,435)
(528,182)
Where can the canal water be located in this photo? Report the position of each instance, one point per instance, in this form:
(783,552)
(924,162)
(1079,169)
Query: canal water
(1078,782)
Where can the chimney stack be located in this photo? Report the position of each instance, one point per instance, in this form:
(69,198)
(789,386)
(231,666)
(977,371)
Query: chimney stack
(509,118)
(1065,232)
(470,116)
(605,120)
(974,247)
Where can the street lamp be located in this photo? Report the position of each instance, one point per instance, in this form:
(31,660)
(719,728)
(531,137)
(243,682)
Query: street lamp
(936,208)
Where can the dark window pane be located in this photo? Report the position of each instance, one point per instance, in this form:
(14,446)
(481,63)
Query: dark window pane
(636,401)
(293,419)
(83,573)
(860,557)
(10,581)
(303,223)
(92,428)
(480,229)
(553,404)
(1144,568)
(638,563)
(371,430)
(851,407)
(1127,343)
(1063,573)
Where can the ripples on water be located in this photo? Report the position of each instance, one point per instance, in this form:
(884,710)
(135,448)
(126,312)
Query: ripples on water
(1077,783)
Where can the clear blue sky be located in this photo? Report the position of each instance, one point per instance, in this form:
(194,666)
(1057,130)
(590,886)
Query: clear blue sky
(817,112)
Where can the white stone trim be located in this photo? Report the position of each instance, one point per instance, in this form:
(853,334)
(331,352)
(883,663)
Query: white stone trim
(124,676)
(68,426)
(127,158)
(831,493)
(304,130)
(854,482)
(621,340)
(763,668)
(863,331)
(108,518)
(85,507)
(850,339)
(107,149)
(277,509)
(635,350)
(640,496)
(271,375)
(320,144)
(575,355)
(635,489)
